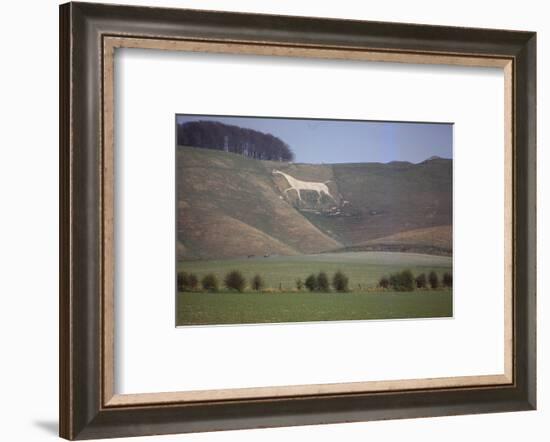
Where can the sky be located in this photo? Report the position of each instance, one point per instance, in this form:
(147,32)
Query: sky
(345,141)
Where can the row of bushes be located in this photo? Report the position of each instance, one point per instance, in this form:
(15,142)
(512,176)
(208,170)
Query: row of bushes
(321,283)
(235,280)
(405,281)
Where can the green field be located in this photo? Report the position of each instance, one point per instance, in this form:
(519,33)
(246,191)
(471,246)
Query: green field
(248,308)
(282,303)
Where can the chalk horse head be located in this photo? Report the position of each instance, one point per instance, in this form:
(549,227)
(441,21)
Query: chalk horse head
(299,185)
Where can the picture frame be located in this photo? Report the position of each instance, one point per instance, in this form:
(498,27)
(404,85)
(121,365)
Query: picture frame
(89,35)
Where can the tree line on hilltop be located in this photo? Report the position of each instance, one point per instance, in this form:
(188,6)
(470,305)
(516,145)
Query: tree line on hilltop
(218,136)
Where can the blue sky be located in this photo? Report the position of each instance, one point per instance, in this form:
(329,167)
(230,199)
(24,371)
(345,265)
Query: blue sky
(344,141)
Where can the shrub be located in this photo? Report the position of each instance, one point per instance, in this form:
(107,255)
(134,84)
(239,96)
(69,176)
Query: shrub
(384,282)
(257,283)
(447,279)
(193,281)
(394,281)
(299,284)
(183,281)
(311,283)
(434,280)
(210,283)
(402,281)
(322,282)
(421,281)
(187,281)
(340,282)
(234,280)
(406,280)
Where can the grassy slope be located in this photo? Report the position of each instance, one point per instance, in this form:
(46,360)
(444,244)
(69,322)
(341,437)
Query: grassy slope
(433,240)
(385,199)
(246,308)
(231,206)
(228,206)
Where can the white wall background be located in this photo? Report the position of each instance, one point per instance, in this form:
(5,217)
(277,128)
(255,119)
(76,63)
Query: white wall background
(149,93)
(28,225)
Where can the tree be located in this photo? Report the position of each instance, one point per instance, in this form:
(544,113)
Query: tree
(234,280)
(299,284)
(447,279)
(210,283)
(395,281)
(406,279)
(340,282)
(311,283)
(402,281)
(219,136)
(257,283)
(193,281)
(384,282)
(433,279)
(183,281)
(421,281)
(187,281)
(322,282)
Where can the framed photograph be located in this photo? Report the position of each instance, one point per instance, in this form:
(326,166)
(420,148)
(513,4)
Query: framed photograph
(270,221)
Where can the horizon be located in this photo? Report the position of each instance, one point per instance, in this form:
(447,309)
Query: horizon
(312,140)
(433,157)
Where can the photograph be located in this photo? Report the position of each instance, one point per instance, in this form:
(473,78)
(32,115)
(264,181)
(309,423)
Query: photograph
(282,220)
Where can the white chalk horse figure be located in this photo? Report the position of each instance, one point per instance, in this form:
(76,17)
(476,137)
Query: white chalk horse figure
(299,185)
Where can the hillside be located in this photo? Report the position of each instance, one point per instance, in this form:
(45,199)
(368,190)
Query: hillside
(384,199)
(431,240)
(229,206)
(233,206)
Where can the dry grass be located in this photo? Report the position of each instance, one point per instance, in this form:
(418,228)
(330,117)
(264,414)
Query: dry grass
(439,236)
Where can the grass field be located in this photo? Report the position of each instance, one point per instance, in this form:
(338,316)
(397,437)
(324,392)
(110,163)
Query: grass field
(364,269)
(248,308)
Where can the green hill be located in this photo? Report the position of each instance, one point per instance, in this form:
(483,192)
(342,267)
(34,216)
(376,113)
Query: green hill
(384,199)
(233,206)
(229,206)
(430,240)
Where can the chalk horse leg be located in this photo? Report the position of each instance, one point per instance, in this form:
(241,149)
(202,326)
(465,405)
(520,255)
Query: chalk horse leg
(297,191)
